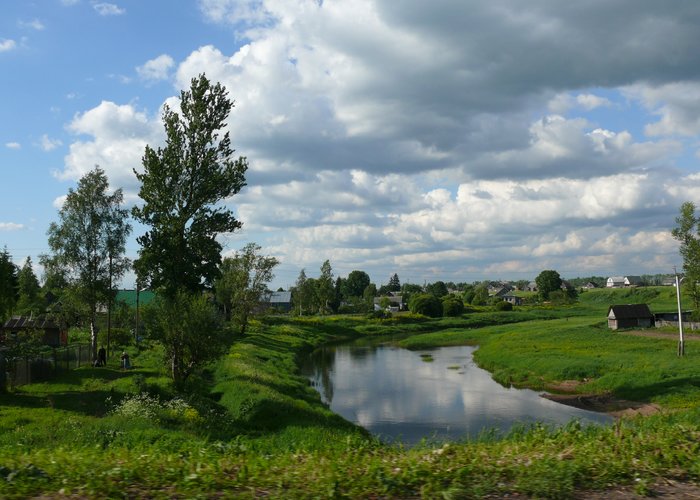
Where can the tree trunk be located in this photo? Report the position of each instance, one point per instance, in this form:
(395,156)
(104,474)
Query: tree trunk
(93,338)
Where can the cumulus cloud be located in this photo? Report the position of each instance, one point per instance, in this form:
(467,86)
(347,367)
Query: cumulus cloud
(108,9)
(458,137)
(7,45)
(561,103)
(34,24)
(10,226)
(677,104)
(116,138)
(156,69)
(13,145)
(47,144)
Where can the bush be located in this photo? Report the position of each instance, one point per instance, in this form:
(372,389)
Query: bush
(503,306)
(425,304)
(452,306)
(381,314)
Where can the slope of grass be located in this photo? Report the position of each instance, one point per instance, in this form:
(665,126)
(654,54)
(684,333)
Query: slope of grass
(256,428)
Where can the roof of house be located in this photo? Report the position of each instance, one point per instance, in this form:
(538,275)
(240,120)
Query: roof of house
(27,322)
(629,311)
(129,297)
(617,279)
(279,297)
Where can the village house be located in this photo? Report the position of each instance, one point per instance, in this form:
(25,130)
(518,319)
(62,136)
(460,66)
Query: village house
(278,301)
(623,281)
(54,334)
(630,316)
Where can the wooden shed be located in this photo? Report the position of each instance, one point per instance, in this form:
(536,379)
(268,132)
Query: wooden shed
(630,316)
(54,334)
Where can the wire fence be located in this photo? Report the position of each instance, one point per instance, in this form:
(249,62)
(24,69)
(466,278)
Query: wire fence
(43,367)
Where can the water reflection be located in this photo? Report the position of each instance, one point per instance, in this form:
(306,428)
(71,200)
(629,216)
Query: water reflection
(442,395)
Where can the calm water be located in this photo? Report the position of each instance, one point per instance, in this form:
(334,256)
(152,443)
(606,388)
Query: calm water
(437,394)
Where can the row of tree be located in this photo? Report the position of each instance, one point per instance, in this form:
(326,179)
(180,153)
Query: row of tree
(20,292)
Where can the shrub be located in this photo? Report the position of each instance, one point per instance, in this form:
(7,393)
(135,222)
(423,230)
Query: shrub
(503,306)
(425,304)
(452,306)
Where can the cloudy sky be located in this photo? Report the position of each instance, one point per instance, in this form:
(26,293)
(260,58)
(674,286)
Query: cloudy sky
(454,140)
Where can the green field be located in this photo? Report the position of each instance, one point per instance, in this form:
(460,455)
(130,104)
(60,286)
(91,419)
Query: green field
(251,426)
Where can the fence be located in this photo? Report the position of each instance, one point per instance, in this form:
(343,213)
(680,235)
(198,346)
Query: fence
(689,325)
(44,366)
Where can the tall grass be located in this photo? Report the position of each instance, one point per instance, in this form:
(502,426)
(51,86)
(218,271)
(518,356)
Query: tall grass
(253,427)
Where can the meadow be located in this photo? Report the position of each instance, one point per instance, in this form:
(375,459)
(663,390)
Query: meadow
(251,426)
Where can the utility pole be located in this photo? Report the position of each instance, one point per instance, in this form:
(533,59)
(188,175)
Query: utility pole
(681,343)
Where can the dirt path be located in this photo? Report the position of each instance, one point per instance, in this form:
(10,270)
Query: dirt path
(655,334)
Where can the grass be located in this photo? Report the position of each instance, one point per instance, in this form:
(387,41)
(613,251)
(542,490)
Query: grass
(252,426)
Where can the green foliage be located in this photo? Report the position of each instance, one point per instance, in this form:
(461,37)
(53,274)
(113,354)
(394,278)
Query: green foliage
(355,284)
(29,298)
(8,285)
(439,289)
(182,185)
(426,304)
(190,330)
(88,244)
(99,432)
(503,306)
(547,282)
(394,283)
(687,232)
(325,292)
(452,305)
(243,283)
(561,297)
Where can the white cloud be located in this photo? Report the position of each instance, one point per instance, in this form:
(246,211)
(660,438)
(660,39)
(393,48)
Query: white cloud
(385,134)
(13,145)
(118,135)
(10,226)
(561,103)
(34,24)
(48,144)
(7,45)
(108,9)
(235,11)
(69,2)
(156,69)
(591,101)
(677,104)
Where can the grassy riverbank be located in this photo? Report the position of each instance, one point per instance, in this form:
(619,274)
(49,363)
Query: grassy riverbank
(253,426)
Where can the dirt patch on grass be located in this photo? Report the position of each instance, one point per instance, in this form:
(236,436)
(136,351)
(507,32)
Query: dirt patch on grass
(605,403)
(563,392)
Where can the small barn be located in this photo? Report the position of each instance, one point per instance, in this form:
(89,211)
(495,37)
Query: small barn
(54,334)
(630,316)
(280,302)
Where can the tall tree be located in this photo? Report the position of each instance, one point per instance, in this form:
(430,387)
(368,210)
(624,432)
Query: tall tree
(29,299)
(190,329)
(394,283)
(8,285)
(355,284)
(182,186)
(243,282)
(300,293)
(547,282)
(88,242)
(687,232)
(324,287)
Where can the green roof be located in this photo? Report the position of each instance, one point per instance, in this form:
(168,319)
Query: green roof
(129,297)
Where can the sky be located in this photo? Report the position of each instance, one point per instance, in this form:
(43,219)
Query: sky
(445,140)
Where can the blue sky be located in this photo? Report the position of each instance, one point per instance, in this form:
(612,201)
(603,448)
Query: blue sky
(436,140)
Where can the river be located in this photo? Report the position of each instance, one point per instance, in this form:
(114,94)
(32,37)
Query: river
(435,395)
